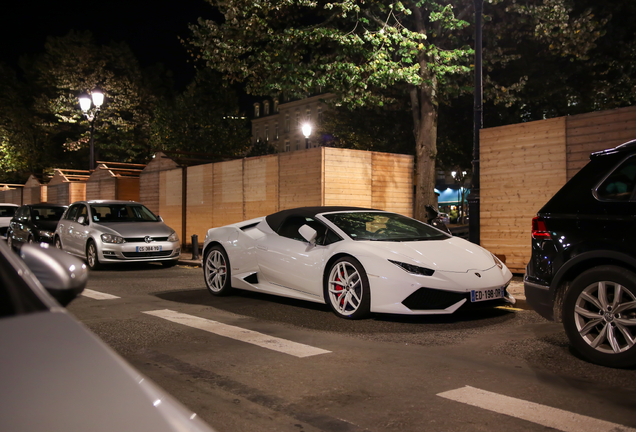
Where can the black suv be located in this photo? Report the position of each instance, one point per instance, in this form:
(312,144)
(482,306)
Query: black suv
(583,266)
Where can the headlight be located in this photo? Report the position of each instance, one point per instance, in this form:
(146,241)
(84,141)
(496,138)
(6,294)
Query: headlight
(497,261)
(410,268)
(173,237)
(47,234)
(110,238)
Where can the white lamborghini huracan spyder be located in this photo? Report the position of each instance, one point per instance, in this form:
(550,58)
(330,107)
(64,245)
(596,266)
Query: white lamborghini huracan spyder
(356,260)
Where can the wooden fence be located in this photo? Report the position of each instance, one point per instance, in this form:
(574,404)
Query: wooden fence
(524,165)
(228,192)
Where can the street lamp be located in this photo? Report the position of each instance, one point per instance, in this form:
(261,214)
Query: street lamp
(96,99)
(306,132)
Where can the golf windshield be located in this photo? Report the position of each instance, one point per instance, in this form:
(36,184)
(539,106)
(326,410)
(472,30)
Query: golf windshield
(379,226)
(122,213)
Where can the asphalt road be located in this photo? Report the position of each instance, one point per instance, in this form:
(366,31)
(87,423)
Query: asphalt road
(496,369)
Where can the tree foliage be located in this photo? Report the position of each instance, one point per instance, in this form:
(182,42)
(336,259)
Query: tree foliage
(414,54)
(205,118)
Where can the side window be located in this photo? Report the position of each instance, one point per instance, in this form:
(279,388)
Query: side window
(619,185)
(82,211)
(72,212)
(331,237)
(292,224)
(20,214)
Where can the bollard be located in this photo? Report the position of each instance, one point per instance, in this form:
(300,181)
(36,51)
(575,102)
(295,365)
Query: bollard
(195,247)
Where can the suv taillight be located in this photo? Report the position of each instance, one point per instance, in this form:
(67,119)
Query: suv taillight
(539,231)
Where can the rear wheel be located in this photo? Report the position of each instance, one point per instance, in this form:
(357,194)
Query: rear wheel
(599,316)
(58,243)
(216,270)
(347,290)
(91,256)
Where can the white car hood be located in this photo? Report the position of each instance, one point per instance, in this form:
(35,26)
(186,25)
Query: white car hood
(450,255)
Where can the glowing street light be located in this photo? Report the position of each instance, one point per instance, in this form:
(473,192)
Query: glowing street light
(90,106)
(307,133)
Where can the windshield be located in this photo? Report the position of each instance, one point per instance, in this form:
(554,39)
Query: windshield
(384,227)
(122,213)
(47,214)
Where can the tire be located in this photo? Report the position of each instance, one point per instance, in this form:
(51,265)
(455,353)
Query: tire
(30,240)
(347,289)
(58,243)
(599,316)
(91,256)
(216,271)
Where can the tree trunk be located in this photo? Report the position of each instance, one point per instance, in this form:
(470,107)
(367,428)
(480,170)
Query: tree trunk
(425,130)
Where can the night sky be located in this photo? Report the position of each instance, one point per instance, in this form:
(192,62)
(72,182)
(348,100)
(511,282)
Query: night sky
(150,28)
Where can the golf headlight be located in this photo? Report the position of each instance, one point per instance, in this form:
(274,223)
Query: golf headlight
(173,237)
(410,268)
(47,234)
(497,261)
(111,238)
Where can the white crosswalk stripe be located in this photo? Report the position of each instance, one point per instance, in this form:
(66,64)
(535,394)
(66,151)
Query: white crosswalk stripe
(241,334)
(533,412)
(98,295)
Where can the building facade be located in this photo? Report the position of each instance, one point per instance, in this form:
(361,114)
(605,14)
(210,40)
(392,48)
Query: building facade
(281,125)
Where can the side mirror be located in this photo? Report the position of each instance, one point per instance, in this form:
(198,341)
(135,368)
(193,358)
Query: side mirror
(64,276)
(160,218)
(308,233)
(81,220)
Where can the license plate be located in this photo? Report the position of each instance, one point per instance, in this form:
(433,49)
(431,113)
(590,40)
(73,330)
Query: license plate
(486,294)
(148,248)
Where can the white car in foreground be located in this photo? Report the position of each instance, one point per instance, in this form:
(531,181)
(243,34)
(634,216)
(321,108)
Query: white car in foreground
(356,260)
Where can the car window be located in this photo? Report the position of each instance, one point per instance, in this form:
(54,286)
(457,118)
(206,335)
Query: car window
(619,185)
(82,211)
(289,228)
(72,212)
(7,211)
(47,214)
(122,213)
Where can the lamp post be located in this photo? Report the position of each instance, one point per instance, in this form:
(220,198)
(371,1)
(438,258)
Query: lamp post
(478,121)
(306,132)
(96,99)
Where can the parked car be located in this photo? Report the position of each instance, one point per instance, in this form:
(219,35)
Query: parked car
(445,218)
(7,211)
(356,260)
(582,271)
(34,223)
(58,376)
(107,232)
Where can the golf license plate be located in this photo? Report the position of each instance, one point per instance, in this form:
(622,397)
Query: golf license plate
(148,248)
(486,294)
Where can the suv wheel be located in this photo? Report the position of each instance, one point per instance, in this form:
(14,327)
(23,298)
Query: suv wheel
(599,315)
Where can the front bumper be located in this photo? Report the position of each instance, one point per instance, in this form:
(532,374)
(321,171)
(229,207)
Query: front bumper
(128,252)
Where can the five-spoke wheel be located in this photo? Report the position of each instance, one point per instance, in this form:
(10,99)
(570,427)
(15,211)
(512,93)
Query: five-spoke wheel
(347,290)
(599,315)
(216,271)
(91,256)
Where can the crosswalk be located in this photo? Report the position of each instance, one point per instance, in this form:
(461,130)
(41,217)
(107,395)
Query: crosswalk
(503,405)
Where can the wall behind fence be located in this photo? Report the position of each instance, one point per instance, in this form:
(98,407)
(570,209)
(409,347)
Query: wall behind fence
(524,165)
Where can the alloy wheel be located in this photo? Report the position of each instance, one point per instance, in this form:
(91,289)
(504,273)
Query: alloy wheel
(345,288)
(216,270)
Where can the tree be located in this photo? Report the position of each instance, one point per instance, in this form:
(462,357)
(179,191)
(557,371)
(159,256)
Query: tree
(205,118)
(412,54)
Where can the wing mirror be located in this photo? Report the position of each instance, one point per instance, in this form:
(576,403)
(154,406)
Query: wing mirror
(308,234)
(64,276)
(81,220)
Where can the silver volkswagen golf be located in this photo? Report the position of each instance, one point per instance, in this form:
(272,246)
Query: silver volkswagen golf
(114,232)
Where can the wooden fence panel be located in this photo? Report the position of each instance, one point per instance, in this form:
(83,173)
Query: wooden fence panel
(260,186)
(200,202)
(392,184)
(348,177)
(522,166)
(170,204)
(228,193)
(301,178)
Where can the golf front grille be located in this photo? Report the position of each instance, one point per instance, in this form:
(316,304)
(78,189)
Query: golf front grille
(147,254)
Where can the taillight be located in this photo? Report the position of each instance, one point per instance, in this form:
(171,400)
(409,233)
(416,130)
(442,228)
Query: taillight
(539,231)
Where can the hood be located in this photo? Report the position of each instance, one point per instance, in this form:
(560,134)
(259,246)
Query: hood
(450,255)
(135,229)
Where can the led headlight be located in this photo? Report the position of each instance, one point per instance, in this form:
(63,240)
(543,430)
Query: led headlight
(173,237)
(410,268)
(111,238)
(47,234)
(497,261)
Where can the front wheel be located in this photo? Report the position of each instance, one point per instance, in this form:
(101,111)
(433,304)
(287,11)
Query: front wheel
(216,271)
(599,316)
(347,290)
(91,256)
